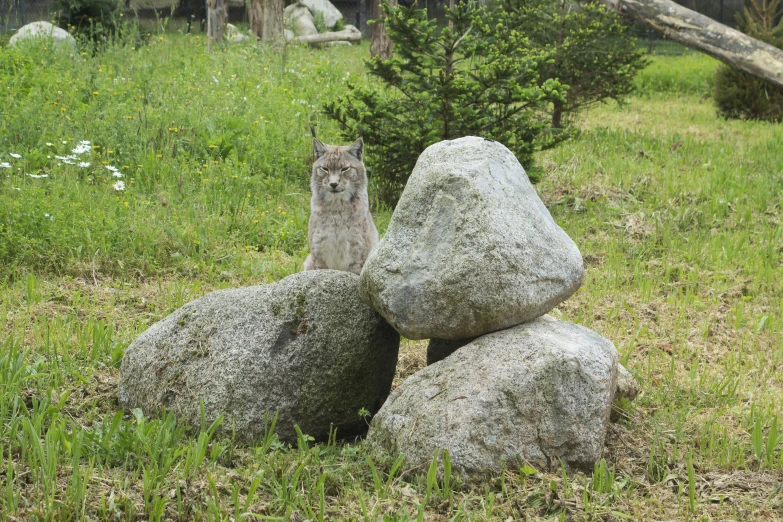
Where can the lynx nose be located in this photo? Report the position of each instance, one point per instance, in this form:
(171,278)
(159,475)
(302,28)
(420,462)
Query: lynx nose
(334,185)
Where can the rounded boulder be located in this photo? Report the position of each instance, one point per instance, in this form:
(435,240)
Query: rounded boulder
(306,347)
(470,249)
(539,393)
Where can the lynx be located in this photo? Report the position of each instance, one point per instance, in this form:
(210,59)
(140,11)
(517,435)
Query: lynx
(341,230)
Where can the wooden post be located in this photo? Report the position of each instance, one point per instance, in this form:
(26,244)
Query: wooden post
(709,36)
(216,21)
(380,45)
(265,18)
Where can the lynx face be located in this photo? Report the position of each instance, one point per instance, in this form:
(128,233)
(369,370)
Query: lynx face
(338,172)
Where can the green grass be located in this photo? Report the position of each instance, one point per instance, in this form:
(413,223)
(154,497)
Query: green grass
(691,73)
(677,213)
(213,149)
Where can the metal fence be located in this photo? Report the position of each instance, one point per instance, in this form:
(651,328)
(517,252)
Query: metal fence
(16,13)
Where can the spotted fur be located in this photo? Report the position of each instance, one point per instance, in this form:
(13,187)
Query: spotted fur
(341,230)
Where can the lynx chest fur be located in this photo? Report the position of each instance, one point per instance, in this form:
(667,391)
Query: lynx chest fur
(341,230)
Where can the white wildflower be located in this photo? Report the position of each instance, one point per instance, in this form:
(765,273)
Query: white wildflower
(112,168)
(84,142)
(81,148)
(120,185)
(68,160)
(5,165)
(116,174)
(48,144)
(17,156)
(38,176)
(15,188)
(84,164)
(46,214)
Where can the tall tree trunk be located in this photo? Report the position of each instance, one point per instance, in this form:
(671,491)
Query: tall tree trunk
(708,36)
(557,116)
(216,20)
(380,45)
(266,19)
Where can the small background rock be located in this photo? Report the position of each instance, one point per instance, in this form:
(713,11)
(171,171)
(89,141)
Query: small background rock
(43,30)
(309,9)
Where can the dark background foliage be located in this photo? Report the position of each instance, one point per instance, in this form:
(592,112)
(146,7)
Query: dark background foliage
(742,95)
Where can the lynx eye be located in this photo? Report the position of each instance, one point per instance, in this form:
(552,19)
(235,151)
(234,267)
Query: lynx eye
(345,169)
(324,169)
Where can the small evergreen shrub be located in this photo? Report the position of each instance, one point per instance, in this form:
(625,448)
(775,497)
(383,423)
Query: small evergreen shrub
(475,77)
(742,95)
(592,49)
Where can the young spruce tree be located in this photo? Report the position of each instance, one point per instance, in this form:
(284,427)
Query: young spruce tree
(742,95)
(592,49)
(478,76)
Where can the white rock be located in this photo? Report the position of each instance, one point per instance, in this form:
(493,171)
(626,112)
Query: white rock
(304,25)
(470,248)
(233,34)
(42,30)
(294,11)
(330,12)
(536,393)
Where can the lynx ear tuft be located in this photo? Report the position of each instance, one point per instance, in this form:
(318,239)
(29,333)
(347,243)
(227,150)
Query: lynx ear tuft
(318,147)
(357,149)
(312,131)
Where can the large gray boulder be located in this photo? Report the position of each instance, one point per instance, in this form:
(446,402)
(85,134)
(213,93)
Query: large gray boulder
(306,347)
(45,30)
(470,248)
(626,387)
(538,393)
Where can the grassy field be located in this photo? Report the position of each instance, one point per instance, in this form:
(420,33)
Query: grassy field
(677,213)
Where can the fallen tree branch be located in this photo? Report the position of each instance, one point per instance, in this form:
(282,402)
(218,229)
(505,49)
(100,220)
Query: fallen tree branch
(346,35)
(706,35)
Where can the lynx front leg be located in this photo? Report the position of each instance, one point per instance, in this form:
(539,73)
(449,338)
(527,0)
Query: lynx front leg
(356,266)
(313,263)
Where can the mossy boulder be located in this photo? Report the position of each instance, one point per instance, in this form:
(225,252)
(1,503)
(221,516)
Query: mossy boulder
(305,347)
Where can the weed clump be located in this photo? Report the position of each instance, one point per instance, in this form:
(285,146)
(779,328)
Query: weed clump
(742,95)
